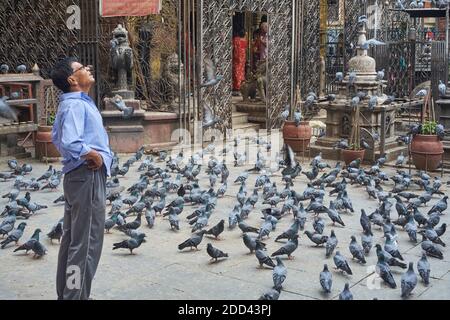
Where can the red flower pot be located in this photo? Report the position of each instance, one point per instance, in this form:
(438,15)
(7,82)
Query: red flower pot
(44,145)
(350,155)
(298,138)
(426,151)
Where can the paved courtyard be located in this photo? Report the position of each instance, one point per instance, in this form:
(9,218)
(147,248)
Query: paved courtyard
(158,270)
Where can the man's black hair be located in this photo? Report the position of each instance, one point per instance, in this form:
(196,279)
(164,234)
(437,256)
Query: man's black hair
(62,71)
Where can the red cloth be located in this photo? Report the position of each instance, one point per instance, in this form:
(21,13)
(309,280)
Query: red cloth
(239,60)
(114,8)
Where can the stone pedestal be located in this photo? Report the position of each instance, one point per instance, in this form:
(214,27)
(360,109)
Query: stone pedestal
(160,129)
(125,135)
(339,125)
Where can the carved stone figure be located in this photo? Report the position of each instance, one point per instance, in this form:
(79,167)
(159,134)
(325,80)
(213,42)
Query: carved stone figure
(121,59)
(170,77)
(255,83)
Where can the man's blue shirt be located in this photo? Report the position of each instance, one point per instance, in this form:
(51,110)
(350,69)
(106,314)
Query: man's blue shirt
(78,129)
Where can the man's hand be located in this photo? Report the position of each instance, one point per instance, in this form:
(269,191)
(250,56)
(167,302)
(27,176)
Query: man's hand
(94,160)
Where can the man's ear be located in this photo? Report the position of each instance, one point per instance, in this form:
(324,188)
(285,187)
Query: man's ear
(72,81)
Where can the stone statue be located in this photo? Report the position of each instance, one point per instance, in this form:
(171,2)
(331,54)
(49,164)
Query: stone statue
(255,83)
(121,59)
(170,77)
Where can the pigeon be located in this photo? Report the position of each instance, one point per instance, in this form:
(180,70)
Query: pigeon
(408,281)
(262,257)
(346,294)
(130,243)
(279,274)
(60,199)
(297,117)
(431,249)
(193,241)
(411,229)
(174,221)
(119,104)
(288,248)
(356,250)
(442,88)
(422,93)
(14,236)
(326,279)
(341,263)
(380,75)
(440,206)
(47,174)
(317,238)
(383,270)
(31,244)
(215,253)
(391,247)
(250,242)
(57,231)
(4,69)
(285,113)
(217,229)
(33,207)
(6,111)
(400,160)
(373,102)
(431,235)
(423,267)
(133,224)
(339,76)
(21,68)
(212,78)
(209,119)
(441,229)
(331,244)
(388,258)
(272,294)
(266,228)
(334,215)
(291,232)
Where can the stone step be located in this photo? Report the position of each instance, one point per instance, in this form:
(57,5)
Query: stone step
(251,108)
(239,118)
(247,127)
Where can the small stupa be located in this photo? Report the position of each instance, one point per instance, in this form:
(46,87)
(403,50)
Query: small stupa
(377,120)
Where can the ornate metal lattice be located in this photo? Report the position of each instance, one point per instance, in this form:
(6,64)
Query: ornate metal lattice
(309,71)
(29,36)
(334,47)
(216,39)
(353,10)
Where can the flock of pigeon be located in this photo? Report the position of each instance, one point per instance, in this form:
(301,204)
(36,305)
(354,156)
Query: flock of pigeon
(163,176)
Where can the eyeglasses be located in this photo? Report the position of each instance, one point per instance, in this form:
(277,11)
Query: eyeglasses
(88,67)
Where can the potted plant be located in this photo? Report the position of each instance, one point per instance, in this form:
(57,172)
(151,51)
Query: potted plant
(297,133)
(427,147)
(45,149)
(354,151)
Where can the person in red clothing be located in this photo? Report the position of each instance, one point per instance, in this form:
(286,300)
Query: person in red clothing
(239,59)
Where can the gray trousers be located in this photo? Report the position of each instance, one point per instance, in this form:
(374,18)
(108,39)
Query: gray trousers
(84,227)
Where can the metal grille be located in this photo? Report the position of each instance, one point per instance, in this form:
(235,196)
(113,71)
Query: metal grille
(353,10)
(439,66)
(36,32)
(216,37)
(309,71)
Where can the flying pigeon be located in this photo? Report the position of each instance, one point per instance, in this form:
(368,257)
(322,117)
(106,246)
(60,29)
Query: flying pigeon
(6,111)
(212,78)
(118,102)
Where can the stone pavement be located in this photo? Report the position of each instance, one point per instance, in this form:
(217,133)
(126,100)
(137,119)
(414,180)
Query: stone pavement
(158,270)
